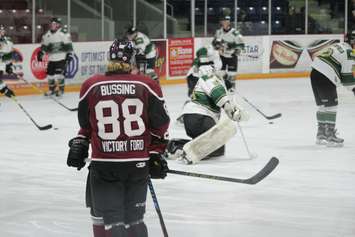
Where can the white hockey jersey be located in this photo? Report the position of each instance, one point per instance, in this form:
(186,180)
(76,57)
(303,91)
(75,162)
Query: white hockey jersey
(144,46)
(232,41)
(208,96)
(6,49)
(337,63)
(56,44)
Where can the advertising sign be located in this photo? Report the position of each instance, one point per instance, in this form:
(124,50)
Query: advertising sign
(181,55)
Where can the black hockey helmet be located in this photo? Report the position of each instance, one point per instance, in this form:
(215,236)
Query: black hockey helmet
(121,56)
(56,20)
(131,30)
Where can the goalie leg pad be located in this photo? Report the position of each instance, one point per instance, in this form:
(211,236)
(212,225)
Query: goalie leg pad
(211,140)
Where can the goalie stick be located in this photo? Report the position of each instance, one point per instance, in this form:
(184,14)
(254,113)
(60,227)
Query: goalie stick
(278,115)
(41,91)
(264,172)
(46,127)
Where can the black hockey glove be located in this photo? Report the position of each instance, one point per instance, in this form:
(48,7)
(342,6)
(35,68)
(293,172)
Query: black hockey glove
(354,90)
(68,58)
(79,150)
(158,167)
(40,55)
(9,69)
(7,92)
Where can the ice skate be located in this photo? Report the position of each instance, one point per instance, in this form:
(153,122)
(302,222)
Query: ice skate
(332,139)
(50,93)
(321,138)
(59,93)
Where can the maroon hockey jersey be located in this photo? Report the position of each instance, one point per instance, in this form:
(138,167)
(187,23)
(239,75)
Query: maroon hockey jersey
(120,113)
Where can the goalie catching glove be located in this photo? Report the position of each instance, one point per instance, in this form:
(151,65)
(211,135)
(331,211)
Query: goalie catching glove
(78,152)
(235,112)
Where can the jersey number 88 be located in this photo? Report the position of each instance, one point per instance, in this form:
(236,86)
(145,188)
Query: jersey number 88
(112,120)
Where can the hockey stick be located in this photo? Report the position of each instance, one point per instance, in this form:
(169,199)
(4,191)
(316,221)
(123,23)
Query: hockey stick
(46,127)
(278,115)
(157,208)
(268,168)
(251,155)
(41,91)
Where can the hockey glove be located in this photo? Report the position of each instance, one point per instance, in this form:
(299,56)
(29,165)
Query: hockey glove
(158,167)
(7,92)
(68,58)
(354,90)
(79,150)
(9,69)
(40,55)
(232,111)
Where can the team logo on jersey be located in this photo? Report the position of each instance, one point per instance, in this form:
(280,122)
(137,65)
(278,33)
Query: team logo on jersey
(72,67)
(39,69)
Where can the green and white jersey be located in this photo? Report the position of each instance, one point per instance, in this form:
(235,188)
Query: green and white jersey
(56,44)
(209,94)
(337,63)
(232,41)
(2,84)
(144,46)
(6,50)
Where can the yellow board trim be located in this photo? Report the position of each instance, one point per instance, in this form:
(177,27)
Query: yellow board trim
(24,89)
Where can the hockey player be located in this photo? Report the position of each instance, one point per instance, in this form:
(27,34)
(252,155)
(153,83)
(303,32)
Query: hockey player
(193,74)
(332,68)
(208,99)
(145,51)
(123,116)
(6,51)
(233,44)
(57,44)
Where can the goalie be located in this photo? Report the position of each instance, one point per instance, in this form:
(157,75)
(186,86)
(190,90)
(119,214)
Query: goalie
(203,112)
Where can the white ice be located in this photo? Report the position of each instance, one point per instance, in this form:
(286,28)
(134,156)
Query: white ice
(311,192)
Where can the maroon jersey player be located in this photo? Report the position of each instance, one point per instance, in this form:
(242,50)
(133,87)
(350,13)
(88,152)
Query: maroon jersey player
(123,116)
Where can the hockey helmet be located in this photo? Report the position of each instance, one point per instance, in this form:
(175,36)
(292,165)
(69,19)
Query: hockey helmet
(225,18)
(121,56)
(203,57)
(131,32)
(56,20)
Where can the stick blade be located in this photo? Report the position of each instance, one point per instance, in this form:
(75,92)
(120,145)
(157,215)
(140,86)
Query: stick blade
(268,168)
(274,116)
(46,127)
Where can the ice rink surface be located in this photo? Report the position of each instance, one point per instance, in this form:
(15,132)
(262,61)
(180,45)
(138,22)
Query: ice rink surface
(310,194)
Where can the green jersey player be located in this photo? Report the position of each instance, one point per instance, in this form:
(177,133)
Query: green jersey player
(6,51)
(58,45)
(333,67)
